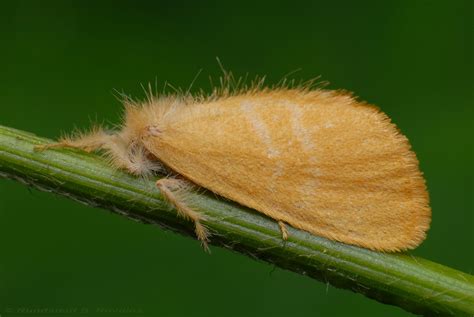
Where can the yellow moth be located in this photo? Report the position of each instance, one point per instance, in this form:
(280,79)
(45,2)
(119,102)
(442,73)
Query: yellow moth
(314,159)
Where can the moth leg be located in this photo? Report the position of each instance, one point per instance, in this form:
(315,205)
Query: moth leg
(284,231)
(121,153)
(86,142)
(170,188)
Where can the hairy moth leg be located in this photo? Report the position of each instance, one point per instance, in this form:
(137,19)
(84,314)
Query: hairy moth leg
(169,187)
(119,150)
(283,229)
(86,142)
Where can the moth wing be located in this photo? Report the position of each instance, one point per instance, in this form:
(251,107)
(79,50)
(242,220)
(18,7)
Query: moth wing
(319,161)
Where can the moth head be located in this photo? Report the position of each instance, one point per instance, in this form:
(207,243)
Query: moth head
(146,119)
(136,129)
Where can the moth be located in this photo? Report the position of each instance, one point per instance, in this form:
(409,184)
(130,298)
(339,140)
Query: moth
(315,159)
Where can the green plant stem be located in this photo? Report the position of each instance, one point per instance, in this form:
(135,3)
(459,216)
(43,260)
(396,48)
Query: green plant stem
(415,284)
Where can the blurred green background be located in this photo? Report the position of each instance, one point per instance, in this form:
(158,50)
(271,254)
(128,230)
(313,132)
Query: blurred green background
(61,62)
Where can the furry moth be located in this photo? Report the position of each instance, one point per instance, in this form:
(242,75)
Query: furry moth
(317,160)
